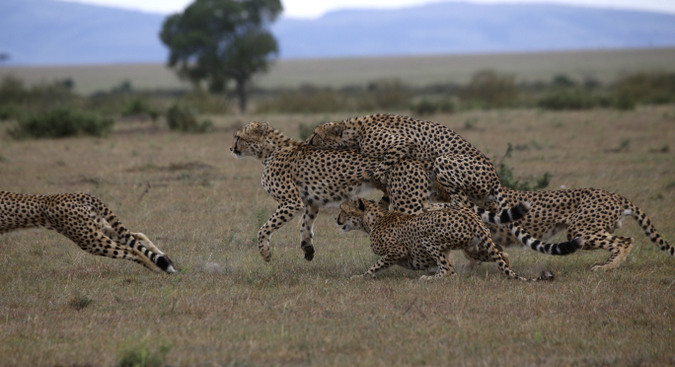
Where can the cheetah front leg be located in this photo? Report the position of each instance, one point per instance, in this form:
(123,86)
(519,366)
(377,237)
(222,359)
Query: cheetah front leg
(307,231)
(395,255)
(284,213)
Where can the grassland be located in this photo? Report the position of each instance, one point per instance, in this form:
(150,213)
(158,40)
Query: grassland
(62,307)
(603,66)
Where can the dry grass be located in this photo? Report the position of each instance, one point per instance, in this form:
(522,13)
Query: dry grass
(61,306)
(602,65)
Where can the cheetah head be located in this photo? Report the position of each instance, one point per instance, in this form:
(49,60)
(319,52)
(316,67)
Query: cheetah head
(334,135)
(352,214)
(250,140)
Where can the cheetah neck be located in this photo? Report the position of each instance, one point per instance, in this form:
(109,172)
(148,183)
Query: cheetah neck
(371,218)
(276,141)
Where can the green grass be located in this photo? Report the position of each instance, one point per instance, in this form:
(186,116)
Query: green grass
(62,306)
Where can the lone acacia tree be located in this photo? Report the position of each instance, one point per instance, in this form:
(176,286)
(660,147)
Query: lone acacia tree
(218,41)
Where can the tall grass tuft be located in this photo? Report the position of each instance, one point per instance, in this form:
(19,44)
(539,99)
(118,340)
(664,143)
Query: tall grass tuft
(79,302)
(137,353)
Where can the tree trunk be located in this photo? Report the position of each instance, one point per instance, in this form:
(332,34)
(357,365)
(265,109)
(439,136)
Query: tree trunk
(241,94)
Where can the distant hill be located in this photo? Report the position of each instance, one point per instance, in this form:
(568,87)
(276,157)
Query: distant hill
(463,28)
(48,32)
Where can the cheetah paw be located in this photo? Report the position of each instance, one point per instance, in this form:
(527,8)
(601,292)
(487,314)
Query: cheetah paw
(546,275)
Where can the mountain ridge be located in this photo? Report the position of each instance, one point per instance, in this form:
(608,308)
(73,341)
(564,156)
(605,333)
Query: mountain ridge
(48,32)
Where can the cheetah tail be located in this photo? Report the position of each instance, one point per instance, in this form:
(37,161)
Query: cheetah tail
(649,229)
(505,215)
(562,248)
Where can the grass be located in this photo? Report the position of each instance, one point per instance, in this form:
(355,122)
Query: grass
(61,306)
(603,66)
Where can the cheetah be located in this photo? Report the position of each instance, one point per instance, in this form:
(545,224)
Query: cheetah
(411,188)
(460,168)
(588,213)
(423,241)
(85,220)
(301,177)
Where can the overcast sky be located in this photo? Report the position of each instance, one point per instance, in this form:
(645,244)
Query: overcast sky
(316,8)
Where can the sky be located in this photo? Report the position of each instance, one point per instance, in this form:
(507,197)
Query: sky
(316,8)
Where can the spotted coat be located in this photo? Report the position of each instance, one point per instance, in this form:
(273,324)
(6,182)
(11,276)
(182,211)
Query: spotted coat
(587,213)
(85,220)
(423,241)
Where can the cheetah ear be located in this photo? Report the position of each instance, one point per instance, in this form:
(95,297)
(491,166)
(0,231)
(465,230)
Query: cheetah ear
(337,130)
(260,128)
(362,205)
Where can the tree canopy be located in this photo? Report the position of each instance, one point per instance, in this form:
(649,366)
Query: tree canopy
(218,41)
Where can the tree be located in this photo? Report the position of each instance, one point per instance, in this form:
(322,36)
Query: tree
(218,41)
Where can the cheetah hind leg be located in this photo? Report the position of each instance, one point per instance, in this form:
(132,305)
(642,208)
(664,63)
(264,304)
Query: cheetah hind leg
(445,268)
(619,248)
(476,256)
(117,236)
(502,260)
(101,245)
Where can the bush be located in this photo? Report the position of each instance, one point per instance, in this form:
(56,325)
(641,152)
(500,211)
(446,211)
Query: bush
(426,107)
(8,112)
(649,88)
(489,89)
(140,107)
(384,94)
(306,99)
(184,119)
(61,122)
(565,99)
(506,176)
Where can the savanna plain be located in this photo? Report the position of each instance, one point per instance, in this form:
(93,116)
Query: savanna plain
(60,306)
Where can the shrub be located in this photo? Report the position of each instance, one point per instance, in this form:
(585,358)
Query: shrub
(384,94)
(489,89)
(61,122)
(8,112)
(184,119)
(506,176)
(40,96)
(426,107)
(140,107)
(306,99)
(564,99)
(650,88)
